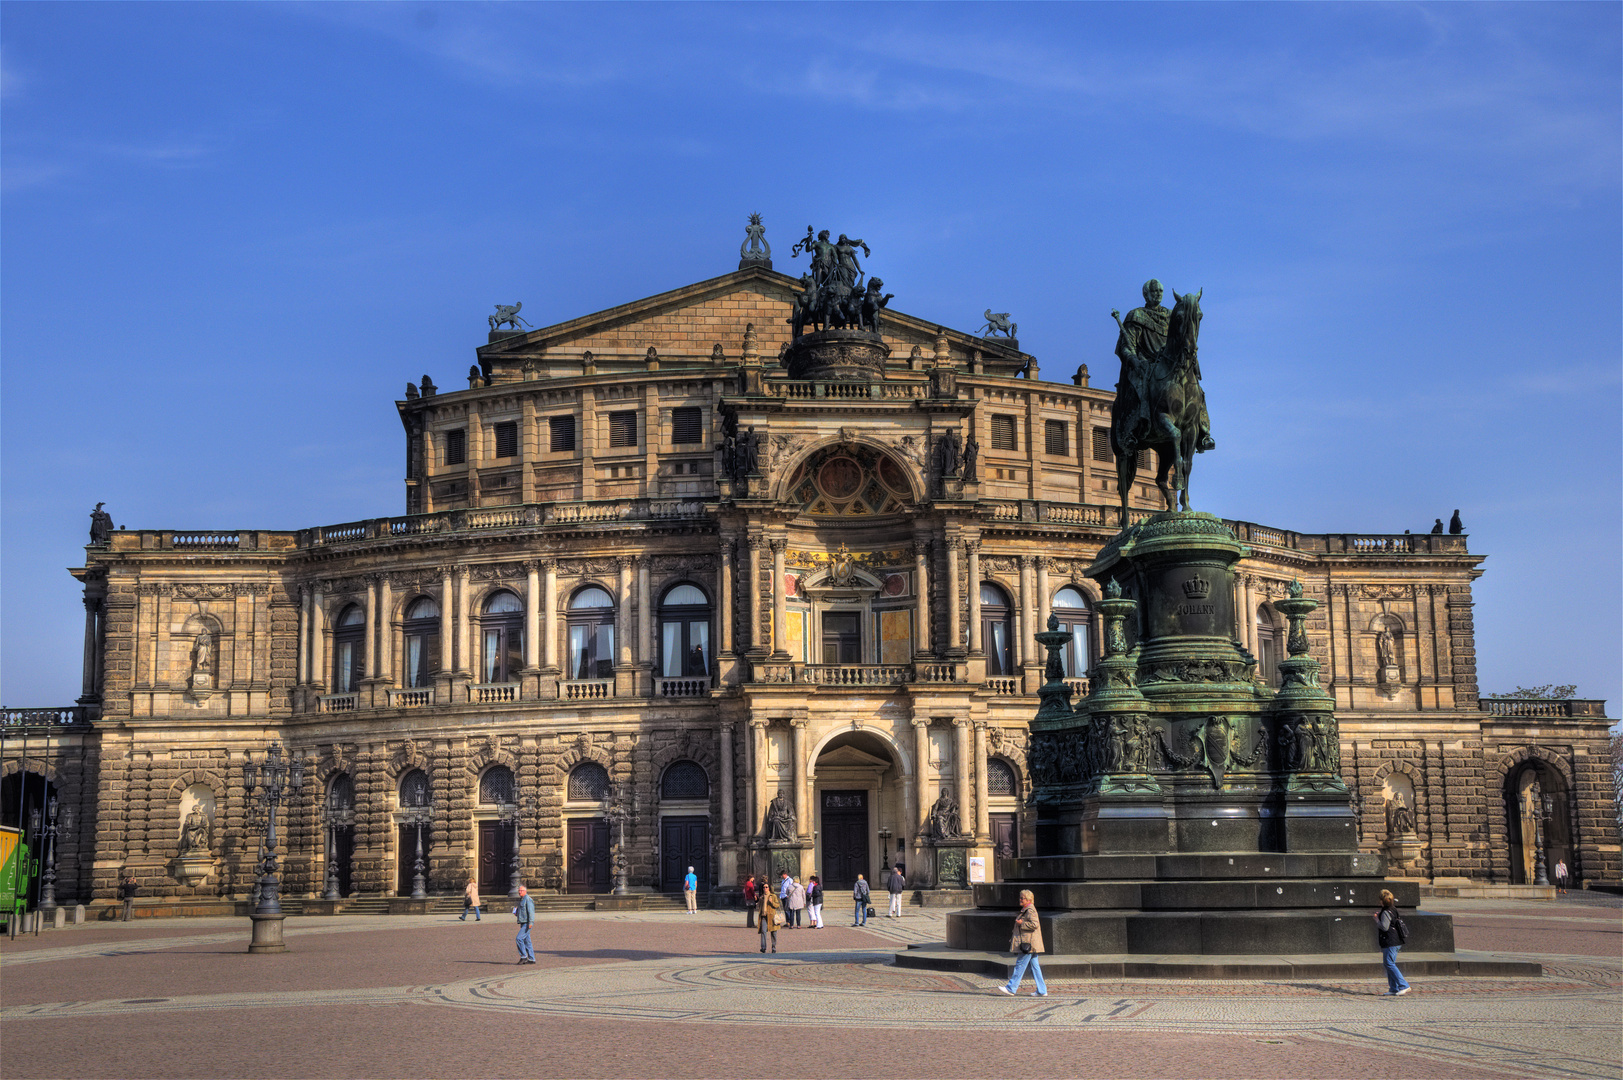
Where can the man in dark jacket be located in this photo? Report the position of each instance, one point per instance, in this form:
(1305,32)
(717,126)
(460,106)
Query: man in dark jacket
(861,894)
(126,892)
(897,885)
(1391,934)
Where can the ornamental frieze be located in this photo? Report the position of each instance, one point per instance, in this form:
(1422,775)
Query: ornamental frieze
(1386,592)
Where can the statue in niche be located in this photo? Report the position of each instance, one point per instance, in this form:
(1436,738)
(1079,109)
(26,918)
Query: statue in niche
(1399,819)
(1386,650)
(202,677)
(972,452)
(948,453)
(194,833)
(780,819)
(101,525)
(945,822)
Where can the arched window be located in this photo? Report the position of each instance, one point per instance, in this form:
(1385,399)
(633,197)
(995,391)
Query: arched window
(341,794)
(349,650)
(414,790)
(501,637)
(684,632)
(591,634)
(1071,608)
(684,780)
(1268,645)
(996,631)
(1000,778)
(496,786)
(588,782)
(422,632)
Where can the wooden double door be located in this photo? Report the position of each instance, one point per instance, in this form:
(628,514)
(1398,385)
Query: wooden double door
(845,838)
(495,858)
(683,842)
(1005,830)
(586,850)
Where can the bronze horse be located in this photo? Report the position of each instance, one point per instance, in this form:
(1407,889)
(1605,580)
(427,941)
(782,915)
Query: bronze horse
(1173,422)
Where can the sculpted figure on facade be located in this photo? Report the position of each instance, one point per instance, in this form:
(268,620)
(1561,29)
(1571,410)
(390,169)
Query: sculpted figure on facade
(194,832)
(101,525)
(780,819)
(945,821)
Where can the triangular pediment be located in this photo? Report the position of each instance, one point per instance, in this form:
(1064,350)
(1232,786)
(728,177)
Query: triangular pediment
(852,758)
(685,326)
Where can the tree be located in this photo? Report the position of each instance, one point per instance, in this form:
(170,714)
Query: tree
(1547,692)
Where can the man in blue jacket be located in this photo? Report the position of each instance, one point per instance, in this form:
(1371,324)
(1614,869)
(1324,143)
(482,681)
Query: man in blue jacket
(690,891)
(525,913)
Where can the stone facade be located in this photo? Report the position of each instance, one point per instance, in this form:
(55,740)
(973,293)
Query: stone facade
(581,582)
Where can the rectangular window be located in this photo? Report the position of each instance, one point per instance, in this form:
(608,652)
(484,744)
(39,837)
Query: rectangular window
(1055,438)
(622,429)
(563,433)
(1003,433)
(456,446)
(507,439)
(685,425)
(1101,445)
(1145,462)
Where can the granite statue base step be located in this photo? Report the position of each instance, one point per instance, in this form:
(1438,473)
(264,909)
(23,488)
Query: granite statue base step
(1184,866)
(940,898)
(1292,966)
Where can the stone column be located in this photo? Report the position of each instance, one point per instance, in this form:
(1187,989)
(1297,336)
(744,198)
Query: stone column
(385,665)
(304,635)
(318,641)
(88,681)
(465,663)
(549,601)
(447,622)
(921,774)
(921,579)
(983,821)
(757,775)
(797,728)
(724,597)
(532,615)
(954,621)
(645,619)
(622,644)
(780,602)
(371,668)
(960,763)
(1023,644)
(725,767)
(1248,616)
(973,547)
(1044,601)
(755,543)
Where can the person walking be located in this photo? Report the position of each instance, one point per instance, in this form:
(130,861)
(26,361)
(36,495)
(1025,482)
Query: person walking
(814,902)
(751,896)
(1392,934)
(126,892)
(1560,876)
(897,885)
(1026,944)
(690,891)
(525,913)
(797,903)
(769,917)
(860,893)
(470,901)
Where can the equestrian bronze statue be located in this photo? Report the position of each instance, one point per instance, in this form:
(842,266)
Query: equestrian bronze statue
(1159,402)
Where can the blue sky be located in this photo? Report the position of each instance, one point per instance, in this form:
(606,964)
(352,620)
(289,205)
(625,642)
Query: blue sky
(229,233)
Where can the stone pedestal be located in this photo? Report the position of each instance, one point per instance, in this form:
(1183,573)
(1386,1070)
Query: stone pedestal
(267,936)
(191,870)
(837,354)
(951,860)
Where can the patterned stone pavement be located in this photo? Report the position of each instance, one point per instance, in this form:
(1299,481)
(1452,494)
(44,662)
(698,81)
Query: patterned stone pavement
(667,994)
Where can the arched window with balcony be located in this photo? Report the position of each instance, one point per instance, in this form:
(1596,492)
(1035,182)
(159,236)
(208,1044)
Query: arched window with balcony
(501,638)
(591,634)
(1071,609)
(997,631)
(349,650)
(684,632)
(422,639)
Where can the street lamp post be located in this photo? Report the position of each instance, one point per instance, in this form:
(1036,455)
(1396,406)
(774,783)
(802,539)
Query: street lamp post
(337,816)
(47,887)
(271,783)
(512,814)
(618,813)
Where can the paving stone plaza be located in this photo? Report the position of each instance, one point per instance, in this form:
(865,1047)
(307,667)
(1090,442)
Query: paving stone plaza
(666,994)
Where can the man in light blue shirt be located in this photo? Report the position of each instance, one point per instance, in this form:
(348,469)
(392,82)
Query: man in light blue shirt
(690,891)
(525,913)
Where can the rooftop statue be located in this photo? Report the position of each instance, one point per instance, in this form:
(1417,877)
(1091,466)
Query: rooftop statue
(834,296)
(755,251)
(507,315)
(1159,401)
(999,322)
(101,525)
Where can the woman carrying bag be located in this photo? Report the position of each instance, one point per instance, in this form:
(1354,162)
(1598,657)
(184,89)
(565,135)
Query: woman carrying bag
(770,917)
(1392,933)
(1026,943)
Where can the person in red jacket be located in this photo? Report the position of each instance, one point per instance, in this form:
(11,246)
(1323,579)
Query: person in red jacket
(751,895)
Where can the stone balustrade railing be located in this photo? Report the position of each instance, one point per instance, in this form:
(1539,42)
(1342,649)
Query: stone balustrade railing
(340,702)
(1003,686)
(1536,707)
(67,716)
(685,687)
(492,693)
(411,699)
(585,689)
(800,390)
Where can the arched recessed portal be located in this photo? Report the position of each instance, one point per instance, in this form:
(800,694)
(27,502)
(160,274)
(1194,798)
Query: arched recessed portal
(859,803)
(1536,810)
(28,794)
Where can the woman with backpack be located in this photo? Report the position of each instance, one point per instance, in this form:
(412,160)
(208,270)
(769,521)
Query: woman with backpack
(1391,933)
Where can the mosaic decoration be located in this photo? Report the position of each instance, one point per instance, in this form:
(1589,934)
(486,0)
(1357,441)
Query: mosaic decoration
(849,481)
